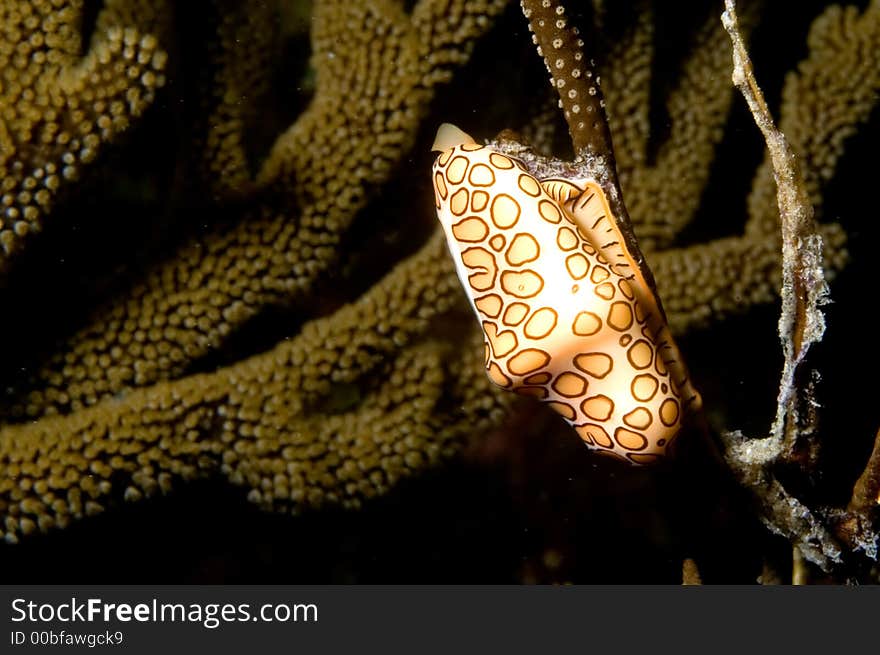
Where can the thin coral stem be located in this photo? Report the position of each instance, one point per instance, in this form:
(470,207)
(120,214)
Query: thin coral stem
(572,74)
(804,289)
(801,324)
(866,491)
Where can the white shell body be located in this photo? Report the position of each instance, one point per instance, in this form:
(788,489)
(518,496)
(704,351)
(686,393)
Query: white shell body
(566,315)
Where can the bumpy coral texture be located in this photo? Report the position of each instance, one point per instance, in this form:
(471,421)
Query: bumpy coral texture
(369,99)
(376,69)
(377,389)
(60,106)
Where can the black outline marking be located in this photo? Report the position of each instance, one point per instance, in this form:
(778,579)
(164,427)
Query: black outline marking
(516,236)
(466,202)
(629,313)
(499,355)
(585,334)
(677,412)
(482,184)
(490,295)
(568,266)
(641,436)
(462,240)
(545,378)
(525,191)
(485,204)
(593,354)
(531,370)
(504,157)
(554,183)
(651,457)
(639,410)
(511,306)
(443,196)
(573,416)
(541,392)
(478,270)
(585,202)
(492,210)
(501,372)
(609,285)
(544,201)
(598,396)
(599,269)
(602,431)
(467,165)
(559,236)
(518,294)
(532,317)
(570,395)
(503,243)
(630,359)
(632,387)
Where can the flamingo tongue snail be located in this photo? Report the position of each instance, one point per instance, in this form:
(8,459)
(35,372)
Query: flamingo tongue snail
(567,314)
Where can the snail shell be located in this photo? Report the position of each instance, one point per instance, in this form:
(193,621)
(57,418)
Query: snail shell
(566,313)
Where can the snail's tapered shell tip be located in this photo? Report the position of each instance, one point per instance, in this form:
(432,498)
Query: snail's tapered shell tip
(449,136)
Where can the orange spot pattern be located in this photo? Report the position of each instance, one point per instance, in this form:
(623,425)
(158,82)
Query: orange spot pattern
(567,317)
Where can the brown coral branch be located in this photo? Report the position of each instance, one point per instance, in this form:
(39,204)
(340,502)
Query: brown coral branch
(371,96)
(241,51)
(278,423)
(866,491)
(779,510)
(857,525)
(59,110)
(573,76)
(580,97)
(801,324)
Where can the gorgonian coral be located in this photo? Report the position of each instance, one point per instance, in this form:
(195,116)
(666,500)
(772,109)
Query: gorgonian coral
(61,103)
